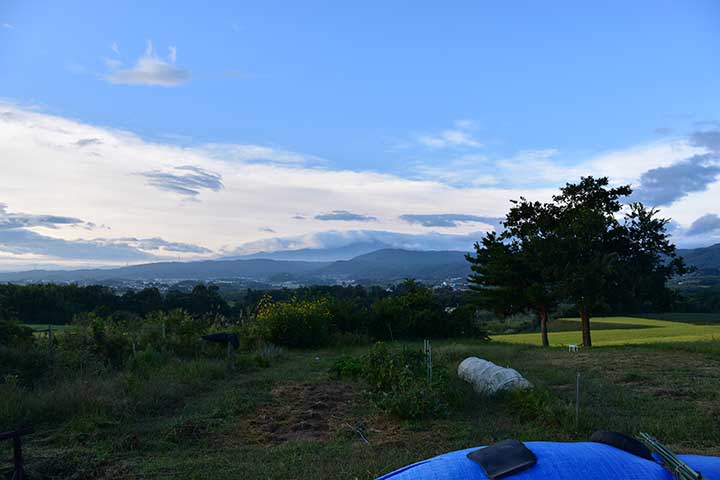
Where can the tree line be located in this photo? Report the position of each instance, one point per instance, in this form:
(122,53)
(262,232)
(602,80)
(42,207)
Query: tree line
(404,311)
(60,304)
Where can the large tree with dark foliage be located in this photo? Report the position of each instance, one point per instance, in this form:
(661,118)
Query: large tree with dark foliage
(514,271)
(579,248)
(648,260)
(591,242)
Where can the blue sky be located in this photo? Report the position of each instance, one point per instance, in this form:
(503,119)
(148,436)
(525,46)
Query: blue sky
(481,99)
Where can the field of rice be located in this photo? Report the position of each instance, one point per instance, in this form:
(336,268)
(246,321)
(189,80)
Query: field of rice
(629,330)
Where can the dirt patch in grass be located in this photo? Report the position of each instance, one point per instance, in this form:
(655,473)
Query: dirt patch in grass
(305,412)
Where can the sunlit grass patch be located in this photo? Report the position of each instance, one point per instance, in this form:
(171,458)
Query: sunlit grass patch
(647,331)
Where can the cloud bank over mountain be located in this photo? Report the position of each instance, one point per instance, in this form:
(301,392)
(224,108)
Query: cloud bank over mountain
(75,193)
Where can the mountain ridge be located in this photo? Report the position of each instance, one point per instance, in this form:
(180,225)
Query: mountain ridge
(703,258)
(382,265)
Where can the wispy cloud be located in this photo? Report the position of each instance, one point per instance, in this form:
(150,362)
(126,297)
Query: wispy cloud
(706,224)
(185,180)
(250,188)
(458,136)
(381,238)
(256,153)
(9,221)
(7,25)
(709,139)
(344,216)
(149,69)
(449,138)
(84,142)
(156,244)
(665,185)
(16,237)
(662,131)
(22,241)
(448,220)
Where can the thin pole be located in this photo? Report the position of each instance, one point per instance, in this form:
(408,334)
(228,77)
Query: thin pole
(577,400)
(18,459)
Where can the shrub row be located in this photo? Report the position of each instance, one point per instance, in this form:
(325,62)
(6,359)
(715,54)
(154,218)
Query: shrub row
(412,312)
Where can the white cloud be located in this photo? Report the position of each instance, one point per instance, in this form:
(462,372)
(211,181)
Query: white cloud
(53,166)
(449,138)
(343,238)
(56,166)
(149,70)
(545,168)
(460,136)
(115,48)
(465,123)
(8,25)
(256,153)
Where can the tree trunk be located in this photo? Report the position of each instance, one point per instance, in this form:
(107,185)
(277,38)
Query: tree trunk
(542,313)
(585,322)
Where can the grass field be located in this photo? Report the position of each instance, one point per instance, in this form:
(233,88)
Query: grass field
(294,420)
(620,331)
(43,327)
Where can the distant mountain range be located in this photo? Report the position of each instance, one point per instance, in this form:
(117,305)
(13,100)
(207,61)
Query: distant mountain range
(704,259)
(309,266)
(393,264)
(346,252)
(386,265)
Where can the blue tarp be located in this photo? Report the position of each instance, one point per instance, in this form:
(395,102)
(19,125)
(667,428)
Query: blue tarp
(558,461)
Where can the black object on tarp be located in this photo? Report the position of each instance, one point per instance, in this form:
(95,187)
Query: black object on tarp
(503,458)
(623,442)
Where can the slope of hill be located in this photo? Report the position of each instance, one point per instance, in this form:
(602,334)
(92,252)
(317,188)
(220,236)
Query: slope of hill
(379,266)
(346,252)
(705,258)
(256,269)
(384,265)
(393,264)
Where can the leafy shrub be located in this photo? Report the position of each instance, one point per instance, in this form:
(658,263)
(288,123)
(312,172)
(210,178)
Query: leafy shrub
(538,404)
(176,331)
(414,313)
(295,323)
(350,315)
(147,359)
(26,364)
(415,397)
(14,334)
(76,355)
(347,367)
(94,337)
(398,381)
(384,368)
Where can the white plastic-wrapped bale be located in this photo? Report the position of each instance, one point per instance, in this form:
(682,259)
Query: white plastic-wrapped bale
(488,378)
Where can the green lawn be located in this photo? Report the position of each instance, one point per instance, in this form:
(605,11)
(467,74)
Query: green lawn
(294,420)
(628,331)
(41,327)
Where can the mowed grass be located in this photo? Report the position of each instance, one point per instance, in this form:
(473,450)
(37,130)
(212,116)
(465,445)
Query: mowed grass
(608,331)
(42,328)
(295,420)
